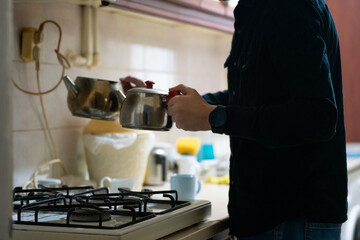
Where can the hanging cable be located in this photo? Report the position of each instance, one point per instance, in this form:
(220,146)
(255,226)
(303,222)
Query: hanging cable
(64,62)
(65,65)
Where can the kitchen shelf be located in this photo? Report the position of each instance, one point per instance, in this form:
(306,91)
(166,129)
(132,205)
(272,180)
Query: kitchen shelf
(206,13)
(80,2)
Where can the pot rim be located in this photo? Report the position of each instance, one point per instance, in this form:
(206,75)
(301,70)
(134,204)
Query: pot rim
(147,90)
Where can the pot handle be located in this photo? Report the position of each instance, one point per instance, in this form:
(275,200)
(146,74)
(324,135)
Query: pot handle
(168,97)
(126,86)
(171,95)
(120,96)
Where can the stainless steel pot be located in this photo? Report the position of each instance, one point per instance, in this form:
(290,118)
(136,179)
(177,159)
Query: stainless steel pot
(141,108)
(157,167)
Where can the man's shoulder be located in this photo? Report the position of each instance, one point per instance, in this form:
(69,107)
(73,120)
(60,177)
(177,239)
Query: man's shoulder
(296,9)
(296,5)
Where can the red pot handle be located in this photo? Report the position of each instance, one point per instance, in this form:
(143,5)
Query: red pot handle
(171,95)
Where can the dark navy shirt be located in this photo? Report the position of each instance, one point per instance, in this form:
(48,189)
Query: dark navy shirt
(285,119)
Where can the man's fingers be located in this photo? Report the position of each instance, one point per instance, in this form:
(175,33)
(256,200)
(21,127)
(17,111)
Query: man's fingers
(137,82)
(180,88)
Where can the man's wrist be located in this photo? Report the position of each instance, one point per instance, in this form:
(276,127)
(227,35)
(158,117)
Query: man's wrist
(217,119)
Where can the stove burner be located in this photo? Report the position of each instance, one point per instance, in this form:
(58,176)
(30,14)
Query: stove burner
(89,207)
(90,215)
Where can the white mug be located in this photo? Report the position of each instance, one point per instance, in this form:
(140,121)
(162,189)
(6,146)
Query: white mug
(185,185)
(114,183)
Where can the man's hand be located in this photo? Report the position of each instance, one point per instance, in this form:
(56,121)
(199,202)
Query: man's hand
(132,82)
(189,111)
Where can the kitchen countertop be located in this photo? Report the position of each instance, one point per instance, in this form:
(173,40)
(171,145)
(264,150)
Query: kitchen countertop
(217,224)
(353,164)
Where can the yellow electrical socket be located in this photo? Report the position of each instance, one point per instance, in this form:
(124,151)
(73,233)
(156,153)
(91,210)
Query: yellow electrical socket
(27,44)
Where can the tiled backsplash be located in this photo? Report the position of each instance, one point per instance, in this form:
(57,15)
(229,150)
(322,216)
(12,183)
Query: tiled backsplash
(166,52)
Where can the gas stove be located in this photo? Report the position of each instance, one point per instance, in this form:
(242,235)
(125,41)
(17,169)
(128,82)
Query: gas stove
(93,213)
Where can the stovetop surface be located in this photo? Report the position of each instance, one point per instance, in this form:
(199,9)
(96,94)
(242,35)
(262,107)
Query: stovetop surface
(130,213)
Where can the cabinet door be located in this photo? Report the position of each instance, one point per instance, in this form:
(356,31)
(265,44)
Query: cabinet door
(346,14)
(206,13)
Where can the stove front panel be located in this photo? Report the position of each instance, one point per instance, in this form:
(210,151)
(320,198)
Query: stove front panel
(159,226)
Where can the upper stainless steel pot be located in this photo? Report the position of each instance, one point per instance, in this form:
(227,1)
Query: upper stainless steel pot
(141,108)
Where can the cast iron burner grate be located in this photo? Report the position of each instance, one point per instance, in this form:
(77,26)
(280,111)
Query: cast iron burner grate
(90,207)
(90,215)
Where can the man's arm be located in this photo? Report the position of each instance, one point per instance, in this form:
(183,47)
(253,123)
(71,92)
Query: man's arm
(299,55)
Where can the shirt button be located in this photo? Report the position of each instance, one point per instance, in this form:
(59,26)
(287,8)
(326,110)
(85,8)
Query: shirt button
(234,63)
(234,92)
(243,66)
(232,182)
(238,32)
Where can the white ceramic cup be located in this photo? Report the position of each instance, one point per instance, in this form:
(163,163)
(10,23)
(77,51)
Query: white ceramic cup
(186,185)
(114,183)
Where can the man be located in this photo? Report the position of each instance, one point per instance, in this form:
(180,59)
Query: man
(283,111)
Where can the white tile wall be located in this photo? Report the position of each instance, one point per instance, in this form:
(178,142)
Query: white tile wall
(166,52)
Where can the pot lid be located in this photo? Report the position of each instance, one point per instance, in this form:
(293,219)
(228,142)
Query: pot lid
(148,89)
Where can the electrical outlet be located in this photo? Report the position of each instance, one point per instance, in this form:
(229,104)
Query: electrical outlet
(27,44)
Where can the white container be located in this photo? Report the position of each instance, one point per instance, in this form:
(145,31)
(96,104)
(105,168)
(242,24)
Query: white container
(186,164)
(119,153)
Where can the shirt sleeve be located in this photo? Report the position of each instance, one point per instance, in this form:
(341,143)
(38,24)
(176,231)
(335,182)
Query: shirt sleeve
(218,98)
(299,55)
